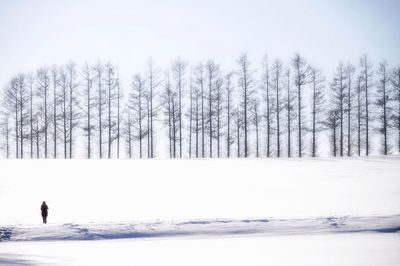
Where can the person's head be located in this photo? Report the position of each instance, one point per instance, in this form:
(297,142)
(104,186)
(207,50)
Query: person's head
(44,203)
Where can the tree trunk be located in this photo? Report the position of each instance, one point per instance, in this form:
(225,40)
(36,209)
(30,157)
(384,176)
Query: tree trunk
(334,136)
(245,115)
(268,116)
(366,111)
(109,113)
(180,113)
(256,118)
(148,126)
(278,132)
(169,124)
(210,112)
(349,98)
(174,128)
(8,139)
(118,117)
(289,117)
(228,133)
(16,127)
(197,125)
(71,114)
(190,118)
(100,116)
(299,113)
(65,120)
(359,117)
(238,134)
(218,122)
(30,119)
(202,115)
(129,137)
(341,113)
(21,118)
(37,140)
(313,118)
(89,150)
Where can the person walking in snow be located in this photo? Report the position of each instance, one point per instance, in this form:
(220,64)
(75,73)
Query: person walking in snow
(44,209)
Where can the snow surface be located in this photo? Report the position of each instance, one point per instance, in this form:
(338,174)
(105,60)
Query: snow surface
(203,228)
(201,212)
(84,191)
(365,249)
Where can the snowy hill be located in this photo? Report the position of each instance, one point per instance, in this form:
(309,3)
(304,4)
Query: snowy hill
(108,191)
(235,212)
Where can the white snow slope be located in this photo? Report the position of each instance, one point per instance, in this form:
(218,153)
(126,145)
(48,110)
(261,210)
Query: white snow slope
(233,212)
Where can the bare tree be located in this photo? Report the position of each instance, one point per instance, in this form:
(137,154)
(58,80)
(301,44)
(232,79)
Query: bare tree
(396,117)
(154,82)
(194,113)
(350,95)
(239,121)
(178,72)
(332,123)
(366,73)
(23,96)
(7,133)
(112,99)
(5,130)
(73,113)
(219,106)
(317,113)
(229,112)
(147,102)
(276,85)
(383,103)
(64,113)
(119,98)
(10,103)
(16,102)
(88,106)
(191,92)
(196,95)
(199,79)
(256,121)
(100,102)
(43,80)
(268,104)
(246,84)
(360,114)
(38,134)
(339,87)
(54,79)
(128,131)
(301,77)
(136,103)
(166,98)
(290,116)
(31,81)
(213,75)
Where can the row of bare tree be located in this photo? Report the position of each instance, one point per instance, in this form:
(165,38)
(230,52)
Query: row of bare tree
(199,111)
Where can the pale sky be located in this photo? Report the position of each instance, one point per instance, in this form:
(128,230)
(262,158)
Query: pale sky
(45,32)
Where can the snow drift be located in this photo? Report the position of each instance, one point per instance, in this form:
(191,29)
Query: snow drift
(203,228)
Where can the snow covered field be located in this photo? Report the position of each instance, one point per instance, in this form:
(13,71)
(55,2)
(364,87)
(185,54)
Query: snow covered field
(201,212)
(339,249)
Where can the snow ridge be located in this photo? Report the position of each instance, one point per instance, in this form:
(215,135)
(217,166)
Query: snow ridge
(202,228)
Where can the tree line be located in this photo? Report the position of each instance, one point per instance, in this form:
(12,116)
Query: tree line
(199,111)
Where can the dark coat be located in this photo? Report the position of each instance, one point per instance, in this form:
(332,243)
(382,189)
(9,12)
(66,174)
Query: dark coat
(44,209)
